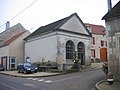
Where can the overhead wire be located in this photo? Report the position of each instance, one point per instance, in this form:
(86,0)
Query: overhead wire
(20,12)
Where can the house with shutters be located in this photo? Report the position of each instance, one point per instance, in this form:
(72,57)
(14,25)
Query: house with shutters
(112,22)
(12,46)
(98,42)
(58,42)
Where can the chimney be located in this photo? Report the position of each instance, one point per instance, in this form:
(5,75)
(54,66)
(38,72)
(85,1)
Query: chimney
(7,25)
(109,5)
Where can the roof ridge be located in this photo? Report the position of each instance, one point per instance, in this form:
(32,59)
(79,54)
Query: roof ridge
(12,39)
(54,26)
(64,20)
(11,27)
(93,24)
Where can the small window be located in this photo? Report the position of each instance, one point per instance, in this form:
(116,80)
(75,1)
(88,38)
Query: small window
(119,41)
(106,43)
(93,40)
(93,52)
(12,66)
(102,43)
(13,60)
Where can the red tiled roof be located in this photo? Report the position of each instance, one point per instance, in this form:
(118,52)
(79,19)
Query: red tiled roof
(96,29)
(12,39)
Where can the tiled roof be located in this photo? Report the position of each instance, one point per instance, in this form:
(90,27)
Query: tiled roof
(53,27)
(114,12)
(12,31)
(12,39)
(96,29)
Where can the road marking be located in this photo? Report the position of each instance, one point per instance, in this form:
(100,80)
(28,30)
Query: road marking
(49,81)
(28,84)
(29,78)
(41,80)
(66,78)
(35,79)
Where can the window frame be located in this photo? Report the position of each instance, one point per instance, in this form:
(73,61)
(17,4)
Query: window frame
(70,49)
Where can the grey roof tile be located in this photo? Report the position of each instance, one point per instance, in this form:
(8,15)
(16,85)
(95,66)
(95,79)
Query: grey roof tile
(54,27)
(114,12)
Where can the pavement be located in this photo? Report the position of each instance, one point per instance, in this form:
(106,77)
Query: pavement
(38,74)
(104,85)
(44,74)
(101,85)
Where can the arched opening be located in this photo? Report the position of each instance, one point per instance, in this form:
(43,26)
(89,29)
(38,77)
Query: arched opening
(81,52)
(70,48)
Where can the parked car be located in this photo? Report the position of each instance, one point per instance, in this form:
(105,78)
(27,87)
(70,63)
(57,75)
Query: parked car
(2,68)
(27,68)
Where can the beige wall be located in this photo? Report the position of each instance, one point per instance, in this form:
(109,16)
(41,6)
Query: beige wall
(97,45)
(17,47)
(4,51)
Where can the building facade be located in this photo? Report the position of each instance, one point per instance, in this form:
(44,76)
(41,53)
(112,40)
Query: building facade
(112,20)
(58,42)
(12,47)
(98,42)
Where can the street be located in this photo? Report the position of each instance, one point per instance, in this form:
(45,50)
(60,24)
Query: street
(70,81)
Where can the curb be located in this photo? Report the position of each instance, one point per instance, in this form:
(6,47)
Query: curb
(97,84)
(31,76)
(47,75)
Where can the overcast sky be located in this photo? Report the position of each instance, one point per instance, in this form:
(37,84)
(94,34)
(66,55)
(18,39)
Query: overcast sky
(43,12)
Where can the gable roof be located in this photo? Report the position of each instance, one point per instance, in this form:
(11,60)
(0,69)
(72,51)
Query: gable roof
(96,29)
(55,26)
(12,39)
(7,34)
(113,13)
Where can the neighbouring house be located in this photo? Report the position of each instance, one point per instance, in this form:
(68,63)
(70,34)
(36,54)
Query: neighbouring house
(12,46)
(98,41)
(112,21)
(58,42)
(10,32)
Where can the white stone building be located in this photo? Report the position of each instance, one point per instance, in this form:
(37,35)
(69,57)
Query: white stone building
(58,41)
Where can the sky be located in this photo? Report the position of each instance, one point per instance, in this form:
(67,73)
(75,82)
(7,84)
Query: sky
(33,14)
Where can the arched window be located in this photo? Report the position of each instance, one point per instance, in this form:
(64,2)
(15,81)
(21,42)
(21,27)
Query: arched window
(70,48)
(81,52)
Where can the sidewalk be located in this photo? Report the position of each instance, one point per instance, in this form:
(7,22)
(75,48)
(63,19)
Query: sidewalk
(92,67)
(44,74)
(105,86)
(38,74)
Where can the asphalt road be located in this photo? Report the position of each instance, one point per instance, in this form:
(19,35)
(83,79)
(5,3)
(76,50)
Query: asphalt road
(71,81)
